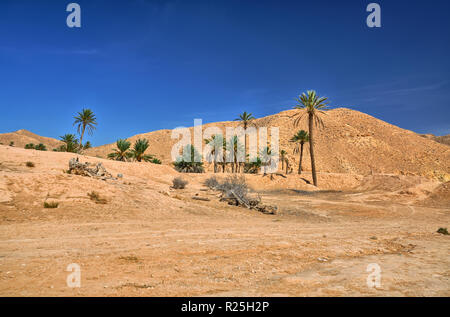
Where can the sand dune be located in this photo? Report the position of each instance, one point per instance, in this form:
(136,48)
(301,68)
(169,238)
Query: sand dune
(23,137)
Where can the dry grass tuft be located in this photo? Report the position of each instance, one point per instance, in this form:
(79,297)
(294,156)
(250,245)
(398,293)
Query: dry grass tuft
(95,196)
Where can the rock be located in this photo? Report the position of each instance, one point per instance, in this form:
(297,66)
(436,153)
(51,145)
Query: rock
(119,176)
(87,169)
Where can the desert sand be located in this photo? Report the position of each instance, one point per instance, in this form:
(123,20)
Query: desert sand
(383,193)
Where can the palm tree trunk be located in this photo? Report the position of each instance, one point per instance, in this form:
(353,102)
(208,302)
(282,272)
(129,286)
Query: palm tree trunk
(287,167)
(301,159)
(282,163)
(311,149)
(81,138)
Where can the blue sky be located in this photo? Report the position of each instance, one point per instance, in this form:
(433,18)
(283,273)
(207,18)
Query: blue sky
(144,65)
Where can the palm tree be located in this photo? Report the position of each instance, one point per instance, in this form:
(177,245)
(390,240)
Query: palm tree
(139,148)
(215,142)
(283,155)
(87,145)
(85,119)
(236,148)
(313,106)
(121,153)
(190,161)
(300,139)
(70,143)
(266,157)
(246,119)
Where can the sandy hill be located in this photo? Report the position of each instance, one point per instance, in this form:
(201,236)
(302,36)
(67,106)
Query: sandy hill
(350,142)
(23,137)
(444,139)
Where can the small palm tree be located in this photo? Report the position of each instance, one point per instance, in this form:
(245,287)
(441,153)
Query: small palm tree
(215,142)
(70,143)
(312,105)
(190,161)
(87,145)
(139,148)
(300,139)
(246,119)
(283,154)
(85,119)
(121,152)
(266,157)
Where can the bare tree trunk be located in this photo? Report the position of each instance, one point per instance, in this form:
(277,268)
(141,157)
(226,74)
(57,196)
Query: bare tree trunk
(282,163)
(311,149)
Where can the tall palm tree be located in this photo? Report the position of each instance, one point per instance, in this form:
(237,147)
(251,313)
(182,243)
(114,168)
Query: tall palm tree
(85,119)
(70,143)
(313,106)
(300,139)
(282,155)
(215,142)
(121,153)
(236,148)
(246,119)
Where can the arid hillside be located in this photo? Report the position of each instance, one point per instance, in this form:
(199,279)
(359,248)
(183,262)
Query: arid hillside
(350,142)
(444,139)
(23,137)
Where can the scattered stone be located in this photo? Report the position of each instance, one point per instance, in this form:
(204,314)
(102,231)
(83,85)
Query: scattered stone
(119,175)
(200,198)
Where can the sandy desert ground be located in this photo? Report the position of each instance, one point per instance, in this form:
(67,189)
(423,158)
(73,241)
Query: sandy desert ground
(151,240)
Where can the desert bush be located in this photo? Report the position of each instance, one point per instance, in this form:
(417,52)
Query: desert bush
(179,183)
(94,196)
(212,182)
(236,184)
(29,164)
(52,204)
(29,146)
(443,231)
(40,147)
(11,143)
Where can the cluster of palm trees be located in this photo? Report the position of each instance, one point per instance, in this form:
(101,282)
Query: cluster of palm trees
(84,120)
(124,153)
(309,105)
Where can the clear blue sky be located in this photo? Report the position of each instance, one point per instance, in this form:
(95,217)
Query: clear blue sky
(144,65)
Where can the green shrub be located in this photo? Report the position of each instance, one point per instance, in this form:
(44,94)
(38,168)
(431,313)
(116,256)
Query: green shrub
(443,231)
(29,164)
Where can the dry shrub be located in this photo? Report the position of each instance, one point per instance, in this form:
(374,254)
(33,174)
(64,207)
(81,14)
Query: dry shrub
(179,183)
(212,182)
(29,164)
